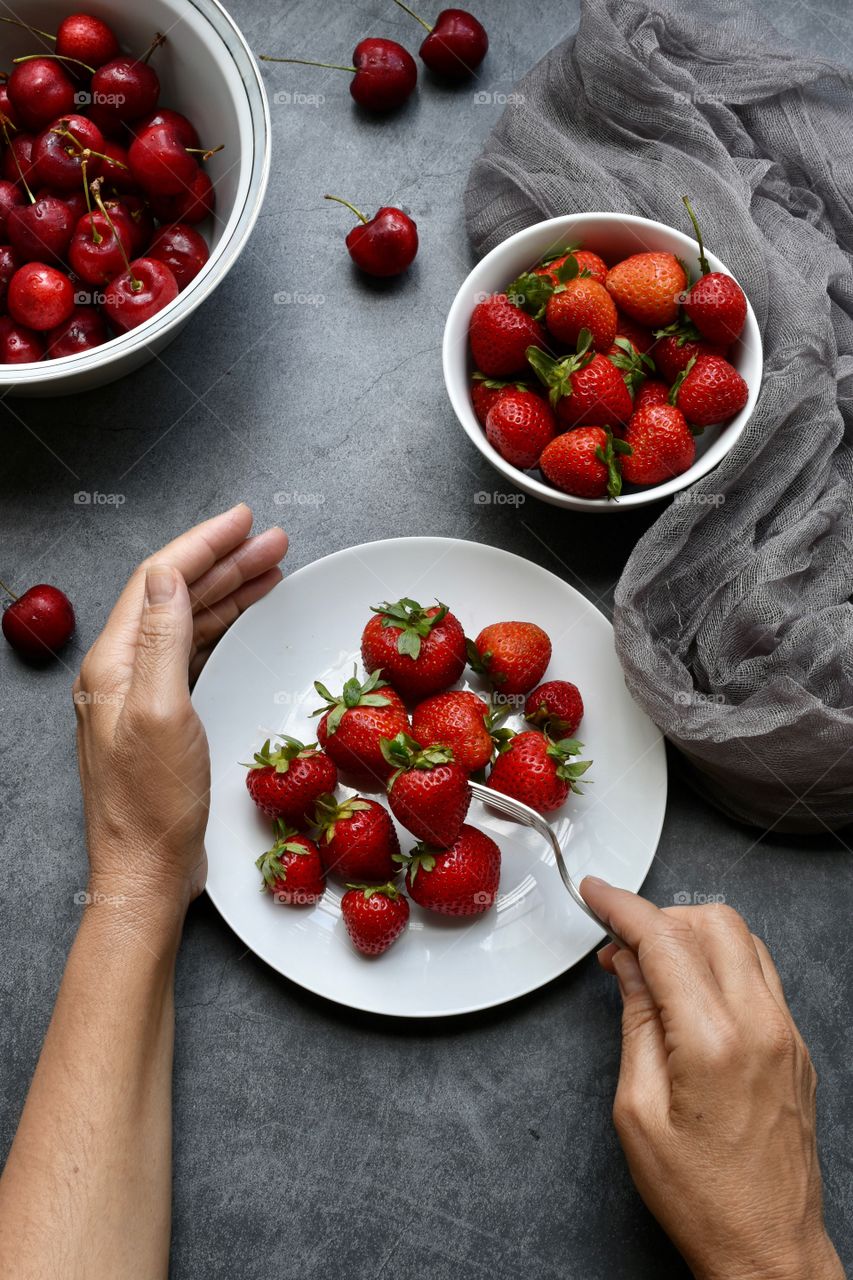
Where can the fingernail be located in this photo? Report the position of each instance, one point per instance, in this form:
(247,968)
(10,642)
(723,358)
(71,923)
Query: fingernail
(159,583)
(595,880)
(628,972)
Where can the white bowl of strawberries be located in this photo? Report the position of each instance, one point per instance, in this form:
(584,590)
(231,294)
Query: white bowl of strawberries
(134,154)
(601,361)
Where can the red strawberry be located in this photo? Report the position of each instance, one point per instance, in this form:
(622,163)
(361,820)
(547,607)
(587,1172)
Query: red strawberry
(519,425)
(357,838)
(584,387)
(556,706)
(537,771)
(583,303)
(375,916)
(485,391)
(428,792)
(500,334)
(662,445)
(583,462)
(641,339)
(634,366)
(716,303)
(647,287)
(652,391)
(459,720)
(710,390)
(420,651)
(677,346)
(356,722)
(460,881)
(513,655)
(588,263)
(292,870)
(286,782)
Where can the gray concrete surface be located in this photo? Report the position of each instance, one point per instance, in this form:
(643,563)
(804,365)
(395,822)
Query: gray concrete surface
(310,1141)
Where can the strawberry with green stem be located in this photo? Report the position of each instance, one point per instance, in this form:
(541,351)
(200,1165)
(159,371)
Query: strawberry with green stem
(500,335)
(355,721)
(709,391)
(428,791)
(462,721)
(418,650)
(538,771)
(292,870)
(512,655)
(460,881)
(585,387)
(374,916)
(715,303)
(635,365)
(286,781)
(357,839)
(585,462)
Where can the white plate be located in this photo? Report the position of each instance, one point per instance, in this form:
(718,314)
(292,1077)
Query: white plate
(260,680)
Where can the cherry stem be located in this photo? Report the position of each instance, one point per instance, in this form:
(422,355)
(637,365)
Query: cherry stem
(349,206)
(59,57)
(205,155)
(8,590)
(305,62)
(414,15)
(15,22)
(704,264)
(158,40)
(65,132)
(97,238)
(135,285)
(14,154)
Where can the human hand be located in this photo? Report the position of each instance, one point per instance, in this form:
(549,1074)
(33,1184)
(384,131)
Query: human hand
(715,1105)
(144,762)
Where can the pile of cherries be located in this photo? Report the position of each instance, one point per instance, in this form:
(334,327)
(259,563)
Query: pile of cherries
(101,191)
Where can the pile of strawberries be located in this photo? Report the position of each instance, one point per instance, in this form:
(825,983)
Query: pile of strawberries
(423,758)
(101,191)
(601,374)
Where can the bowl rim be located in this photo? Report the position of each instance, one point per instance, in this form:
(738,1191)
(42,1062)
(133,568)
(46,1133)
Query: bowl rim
(458,392)
(175,314)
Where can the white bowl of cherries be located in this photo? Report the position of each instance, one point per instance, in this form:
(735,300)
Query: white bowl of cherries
(134,157)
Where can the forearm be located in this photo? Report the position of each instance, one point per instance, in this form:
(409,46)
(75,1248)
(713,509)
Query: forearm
(86,1191)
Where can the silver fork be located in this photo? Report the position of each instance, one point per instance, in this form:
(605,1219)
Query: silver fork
(528,817)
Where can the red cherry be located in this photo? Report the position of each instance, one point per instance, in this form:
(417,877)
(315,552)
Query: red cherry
(10,195)
(100,248)
(9,263)
(40,231)
(126,87)
(7,111)
(384,73)
(139,218)
(18,160)
(58,153)
(83,330)
(40,297)
(116,168)
(40,89)
(181,125)
(110,125)
(87,39)
(190,206)
(38,623)
(455,46)
(139,293)
(160,162)
(182,249)
(75,201)
(19,345)
(383,245)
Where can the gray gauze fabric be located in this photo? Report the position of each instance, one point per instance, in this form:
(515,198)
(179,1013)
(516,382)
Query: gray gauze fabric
(733,621)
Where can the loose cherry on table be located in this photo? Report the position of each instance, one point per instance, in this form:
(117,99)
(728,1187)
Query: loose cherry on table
(455,46)
(38,623)
(384,74)
(384,245)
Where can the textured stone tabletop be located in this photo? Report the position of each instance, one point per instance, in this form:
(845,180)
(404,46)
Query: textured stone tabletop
(310,1141)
